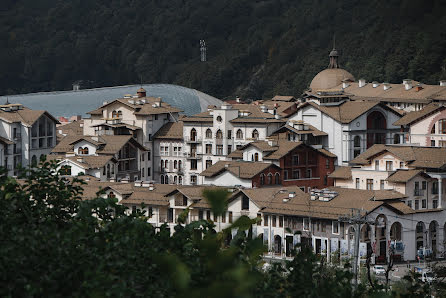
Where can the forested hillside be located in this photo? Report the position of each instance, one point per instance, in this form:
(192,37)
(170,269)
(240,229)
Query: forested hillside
(255,48)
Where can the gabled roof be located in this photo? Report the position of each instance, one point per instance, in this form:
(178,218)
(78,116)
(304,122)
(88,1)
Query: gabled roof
(349,110)
(311,130)
(415,116)
(170,130)
(241,169)
(283,98)
(342,173)
(25,115)
(73,128)
(150,107)
(404,175)
(415,156)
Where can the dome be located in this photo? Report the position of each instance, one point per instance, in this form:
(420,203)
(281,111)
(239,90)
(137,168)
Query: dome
(330,78)
(334,53)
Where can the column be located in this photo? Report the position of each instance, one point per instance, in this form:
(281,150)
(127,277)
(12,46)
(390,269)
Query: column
(373,242)
(440,191)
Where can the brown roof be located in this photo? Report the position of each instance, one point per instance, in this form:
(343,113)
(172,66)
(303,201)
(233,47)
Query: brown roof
(311,130)
(396,92)
(342,173)
(283,98)
(327,153)
(72,128)
(170,130)
(403,175)
(241,169)
(237,154)
(87,161)
(24,115)
(148,108)
(415,156)
(349,110)
(6,141)
(415,116)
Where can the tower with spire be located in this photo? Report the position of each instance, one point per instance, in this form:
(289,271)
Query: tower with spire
(334,56)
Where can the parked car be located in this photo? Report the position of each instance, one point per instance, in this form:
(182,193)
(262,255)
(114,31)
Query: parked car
(426,275)
(379,270)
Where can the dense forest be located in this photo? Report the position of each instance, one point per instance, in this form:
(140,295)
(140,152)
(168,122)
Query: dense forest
(254,48)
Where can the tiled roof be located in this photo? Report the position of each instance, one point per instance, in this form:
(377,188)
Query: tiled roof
(311,130)
(342,173)
(283,98)
(74,128)
(415,116)
(415,156)
(25,116)
(148,108)
(170,130)
(403,175)
(241,169)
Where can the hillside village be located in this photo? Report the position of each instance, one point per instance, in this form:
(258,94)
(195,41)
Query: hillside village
(296,163)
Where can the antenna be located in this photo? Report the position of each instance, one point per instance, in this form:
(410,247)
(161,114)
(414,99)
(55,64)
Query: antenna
(202,50)
(334,41)
(7,101)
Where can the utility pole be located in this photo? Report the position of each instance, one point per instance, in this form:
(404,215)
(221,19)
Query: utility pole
(357,219)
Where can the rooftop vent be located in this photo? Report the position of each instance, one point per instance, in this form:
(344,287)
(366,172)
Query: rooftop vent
(104,102)
(291,194)
(375,84)
(386,86)
(264,109)
(277,116)
(361,83)
(127,96)
(226,106)
(285,200)
(131,101)
(407,84)
(237,99)
(324,195)
(345,84)
(80,159)
(418,87)
(443,83)
(138,183)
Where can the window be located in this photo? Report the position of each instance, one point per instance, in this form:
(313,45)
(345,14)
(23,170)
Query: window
(309,173)
(335,227)
(180,179)
(273,220)
(208,148)
(277,178)
(193,164)
(219,149)
(285,175)
(229,135)
(223,217)
(111,195)
(229,149)
(295,160)
(423,185)
(255,134)
(114,114)
(396,138)
(401,164)
(65,170)
(442,144)
(357,141)
(442,126)
(370,184)
(193,179)
(180,165)
(417,204)
(327,163)
(433,129)
(208,215)
(280,221)
(230,217)
(432,143)
(156,117)
(409,203)
(239,134)
(219,134)
(164,150)
(193,134)
(262,179)
(356,152)
(175,164)
(256,156)
(119,114)
(381,184)
(376,165)
(326,180)
(296,174)
(423,204)
(83,150)
(149,172)
(219,119)
(389,165)
(245,203)
(200,214)
(150,211)
(208,163)
(265,220)
(306,224)
(270,178)
(208,133)
(435,204)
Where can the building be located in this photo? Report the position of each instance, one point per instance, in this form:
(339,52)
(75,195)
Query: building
(300,164)
(416,172)
(26,136)
(107,157)
(425,127)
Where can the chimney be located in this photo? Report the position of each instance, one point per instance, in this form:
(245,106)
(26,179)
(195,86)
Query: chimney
(386,86)
(443,83)
(277,116)
(80,159)
(375,84)
(237,99)
(104,102)
(264,109)
(362,83)
(418,87)
(345,85)
(407,84)
(141,92)
(291,194)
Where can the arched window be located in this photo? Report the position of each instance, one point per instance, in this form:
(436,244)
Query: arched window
(180,179)
(162,179)
(208,133)
(255,134)
(270,178)
(193,134)
(262,179)
(112,169)
(277,176)
(34,161)
(83,150)
(111,195)
(357,141)
(175,179)
(256,156)
(114,114)
(175,164)
(239,134)
(179,165)
(219,134)
(396,138)
(442,126)
(119,114)
(104,171)
(108,170)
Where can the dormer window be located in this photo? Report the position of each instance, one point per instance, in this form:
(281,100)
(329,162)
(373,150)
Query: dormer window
(239,134)
(114,114)
(255,134)
(83,151)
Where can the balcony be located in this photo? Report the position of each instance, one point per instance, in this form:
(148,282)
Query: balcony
(189,139)
(192,155)
(418,192)
(17,136)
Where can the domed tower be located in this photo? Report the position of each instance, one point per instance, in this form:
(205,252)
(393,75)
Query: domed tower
(332,76)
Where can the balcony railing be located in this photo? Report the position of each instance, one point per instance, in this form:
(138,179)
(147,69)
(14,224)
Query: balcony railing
(418,192)
(435,191)
(189,139)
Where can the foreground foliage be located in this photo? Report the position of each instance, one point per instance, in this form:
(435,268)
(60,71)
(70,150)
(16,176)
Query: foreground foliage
(54,244)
